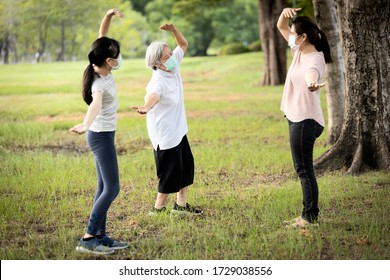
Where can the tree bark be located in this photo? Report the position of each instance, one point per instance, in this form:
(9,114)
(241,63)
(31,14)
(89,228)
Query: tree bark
(42,31)
(272,43)
(61,54)
(365,137)
(6,49)
(326,18)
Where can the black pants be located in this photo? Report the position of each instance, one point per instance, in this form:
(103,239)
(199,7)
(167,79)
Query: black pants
(175,167)
(302,137)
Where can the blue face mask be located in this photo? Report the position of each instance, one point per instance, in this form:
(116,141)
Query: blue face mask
(171,63)
(119,59)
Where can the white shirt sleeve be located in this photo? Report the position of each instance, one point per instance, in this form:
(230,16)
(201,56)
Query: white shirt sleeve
(179,53)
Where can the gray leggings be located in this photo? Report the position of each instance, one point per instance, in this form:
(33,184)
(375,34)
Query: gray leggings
(103,148)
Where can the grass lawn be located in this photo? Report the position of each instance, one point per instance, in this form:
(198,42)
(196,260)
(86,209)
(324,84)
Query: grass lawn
(244,179)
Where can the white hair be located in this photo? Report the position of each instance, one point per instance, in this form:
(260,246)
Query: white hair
(153,54)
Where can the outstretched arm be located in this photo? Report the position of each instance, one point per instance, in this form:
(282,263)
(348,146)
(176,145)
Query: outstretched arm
(151,100)
(93,110)
(180,39)
(105,24)
(311,79)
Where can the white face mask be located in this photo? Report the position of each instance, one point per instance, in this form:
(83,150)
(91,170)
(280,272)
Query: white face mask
(291,42)
(119,59)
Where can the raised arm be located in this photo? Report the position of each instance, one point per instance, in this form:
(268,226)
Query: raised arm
(180,39)
(105,24)
(282,24)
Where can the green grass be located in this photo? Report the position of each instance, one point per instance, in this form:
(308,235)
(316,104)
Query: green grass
(244,177)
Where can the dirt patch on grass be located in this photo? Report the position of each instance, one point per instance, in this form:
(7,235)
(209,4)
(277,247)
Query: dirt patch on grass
(326,249)
(67,148)
(73,148)
(59,118)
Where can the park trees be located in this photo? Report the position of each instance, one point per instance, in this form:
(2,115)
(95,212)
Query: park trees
(365,136)
(272,44)
(9,22)
(49,30)
(43,30)
(205,23)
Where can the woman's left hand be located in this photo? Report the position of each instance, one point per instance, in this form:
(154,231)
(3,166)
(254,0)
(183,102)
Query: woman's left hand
(315,86)
(168,27)
(114,12)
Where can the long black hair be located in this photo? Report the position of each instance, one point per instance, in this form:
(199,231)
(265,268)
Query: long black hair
(102,49)
(315,36)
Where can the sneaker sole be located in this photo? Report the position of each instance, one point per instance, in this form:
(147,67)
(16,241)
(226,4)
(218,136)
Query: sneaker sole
(158,213)
(303,226)
(185,212)
(119,248)
(85,250)
(290,222)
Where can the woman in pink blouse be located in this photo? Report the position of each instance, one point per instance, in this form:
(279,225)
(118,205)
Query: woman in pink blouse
(301,103)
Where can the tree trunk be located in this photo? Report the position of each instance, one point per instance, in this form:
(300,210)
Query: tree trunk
(42,42)
(6,49)
(272,42)
(61,54)
(365,137)
(326,18)
(1,48)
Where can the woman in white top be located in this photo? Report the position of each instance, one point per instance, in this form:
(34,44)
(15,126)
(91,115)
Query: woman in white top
(99,92)
(167,124)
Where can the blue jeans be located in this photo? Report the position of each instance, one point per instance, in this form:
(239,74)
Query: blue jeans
(302,137)
(103,148)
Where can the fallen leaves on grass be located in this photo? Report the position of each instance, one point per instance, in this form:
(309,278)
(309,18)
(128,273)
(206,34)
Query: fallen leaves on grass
(305,232)
(362,241)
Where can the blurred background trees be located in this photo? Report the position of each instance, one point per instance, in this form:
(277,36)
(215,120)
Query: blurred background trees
(62,30)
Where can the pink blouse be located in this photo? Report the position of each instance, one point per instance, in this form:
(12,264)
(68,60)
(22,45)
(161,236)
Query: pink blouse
(298,102)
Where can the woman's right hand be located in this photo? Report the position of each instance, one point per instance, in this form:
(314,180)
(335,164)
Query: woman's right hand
(141,109)
(168,27)
(79,129)
(290,12)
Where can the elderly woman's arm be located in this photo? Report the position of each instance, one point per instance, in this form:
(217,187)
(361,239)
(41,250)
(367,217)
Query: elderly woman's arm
(180,39)
(150,101)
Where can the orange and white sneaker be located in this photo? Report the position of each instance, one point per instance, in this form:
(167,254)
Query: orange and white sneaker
(286,223)
(300,222)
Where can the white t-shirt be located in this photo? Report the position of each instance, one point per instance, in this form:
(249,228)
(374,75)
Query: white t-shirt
(166,121)
(106,119)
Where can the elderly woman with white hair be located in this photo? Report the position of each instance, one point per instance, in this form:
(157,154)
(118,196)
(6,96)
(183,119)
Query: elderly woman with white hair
(167,124)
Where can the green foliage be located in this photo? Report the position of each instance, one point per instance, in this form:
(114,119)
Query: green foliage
(306,5)
(139,5)
(37,26)
(255,46)
(236,23)
(34,28)
(244,179)
(234,48)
